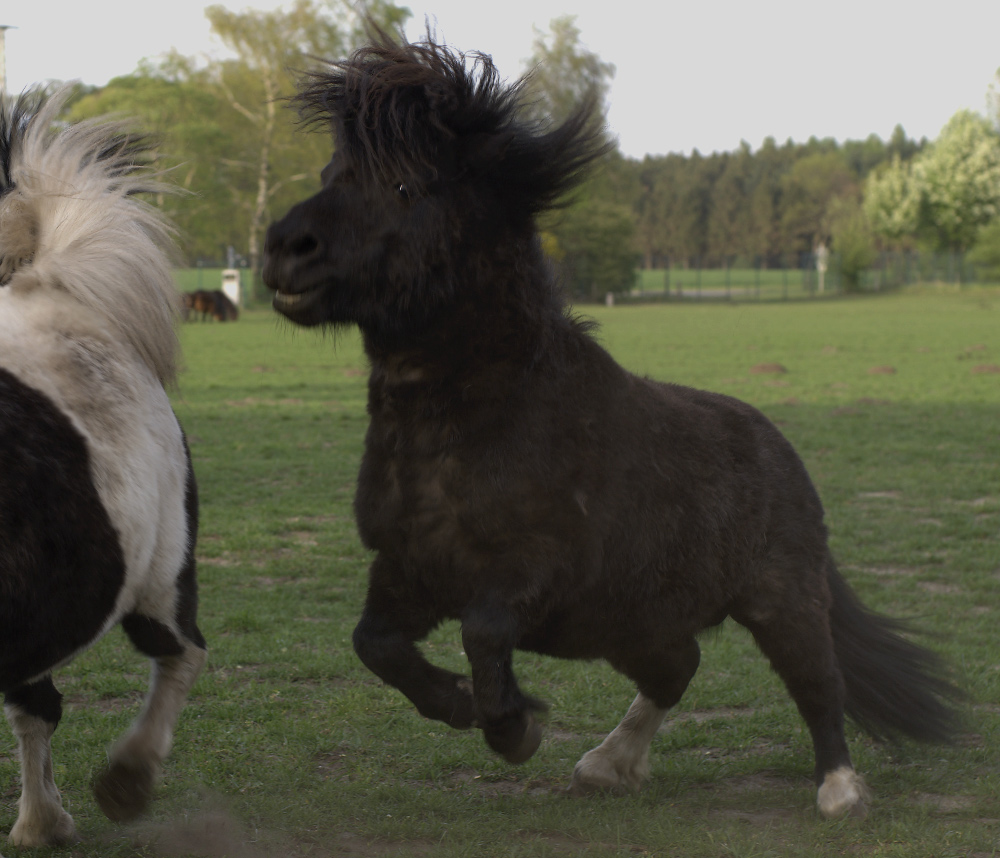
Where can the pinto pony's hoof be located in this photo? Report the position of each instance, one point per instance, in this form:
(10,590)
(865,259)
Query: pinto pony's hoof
(50,827)
(124,789)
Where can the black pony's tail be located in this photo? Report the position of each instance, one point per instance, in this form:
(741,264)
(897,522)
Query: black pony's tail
(894,687)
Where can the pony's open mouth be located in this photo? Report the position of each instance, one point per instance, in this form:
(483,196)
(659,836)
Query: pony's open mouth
(296,304)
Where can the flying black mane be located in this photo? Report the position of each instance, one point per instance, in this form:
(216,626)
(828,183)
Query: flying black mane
(416,112)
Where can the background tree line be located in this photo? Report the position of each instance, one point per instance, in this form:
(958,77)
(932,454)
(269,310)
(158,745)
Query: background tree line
(229,138)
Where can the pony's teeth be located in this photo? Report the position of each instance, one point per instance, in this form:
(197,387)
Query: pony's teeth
(286,298)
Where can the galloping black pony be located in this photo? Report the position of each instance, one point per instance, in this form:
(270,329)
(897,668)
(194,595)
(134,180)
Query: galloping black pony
(519,480)
(98,503)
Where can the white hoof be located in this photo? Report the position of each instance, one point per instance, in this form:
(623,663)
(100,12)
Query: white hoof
(599,770)
(842,793)
(50,829)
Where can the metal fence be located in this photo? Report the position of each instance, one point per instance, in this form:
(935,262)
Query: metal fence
(802,281)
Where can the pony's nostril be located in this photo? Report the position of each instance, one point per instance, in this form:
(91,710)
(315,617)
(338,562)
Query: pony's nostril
(303,245)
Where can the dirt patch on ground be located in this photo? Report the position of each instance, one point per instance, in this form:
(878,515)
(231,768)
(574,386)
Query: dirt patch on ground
(768,369)
(986,369)
(882,370)
(943,803)
(250,401)
(700,716)
(939,589)
(890,494)
(885,571)
(492,786)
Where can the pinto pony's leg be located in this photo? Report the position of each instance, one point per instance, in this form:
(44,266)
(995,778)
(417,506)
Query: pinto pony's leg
(33,712)
(621,761)
(125,786)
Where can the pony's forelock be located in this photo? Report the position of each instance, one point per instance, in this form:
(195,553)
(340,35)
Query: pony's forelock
(406,111)
(92,235)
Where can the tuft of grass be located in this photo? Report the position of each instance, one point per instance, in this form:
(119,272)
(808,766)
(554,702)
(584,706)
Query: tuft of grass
(289,747)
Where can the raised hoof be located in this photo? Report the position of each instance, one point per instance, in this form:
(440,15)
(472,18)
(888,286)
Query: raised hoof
(123,790)
(515,738)
(529,743)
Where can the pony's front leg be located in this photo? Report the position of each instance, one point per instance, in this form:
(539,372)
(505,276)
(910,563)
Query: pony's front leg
(384,640)
(125,787)
(33,712)
(489,634)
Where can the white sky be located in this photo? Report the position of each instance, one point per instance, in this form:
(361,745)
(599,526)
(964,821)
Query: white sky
(702,75)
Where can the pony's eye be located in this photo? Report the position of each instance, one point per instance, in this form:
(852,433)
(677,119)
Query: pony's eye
(403,191)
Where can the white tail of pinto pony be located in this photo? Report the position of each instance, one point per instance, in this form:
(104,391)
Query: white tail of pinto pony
(70,219)
(98,503)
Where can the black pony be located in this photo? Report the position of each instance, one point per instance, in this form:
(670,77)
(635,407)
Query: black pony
(98,505)
(517,479)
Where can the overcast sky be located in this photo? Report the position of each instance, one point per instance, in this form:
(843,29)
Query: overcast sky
(689,74)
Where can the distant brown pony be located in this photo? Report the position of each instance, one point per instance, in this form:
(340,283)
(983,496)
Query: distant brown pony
(519,480)
(205,303)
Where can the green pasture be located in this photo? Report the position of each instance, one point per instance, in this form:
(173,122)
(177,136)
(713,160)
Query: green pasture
(289,747)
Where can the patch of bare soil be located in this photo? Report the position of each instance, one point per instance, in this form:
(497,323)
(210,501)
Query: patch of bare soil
(883,495)
(939,589)
(492,786)
(250,401)
(986,369)
(207,834)
(700,716)
(215,832)
(882,370)
(885,571)
(730,791)
(971,351)
(943,803)
(768,369)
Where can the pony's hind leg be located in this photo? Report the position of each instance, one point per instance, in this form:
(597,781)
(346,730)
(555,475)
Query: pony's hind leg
(798,643)
(125,786)
(33,712)
(621,761)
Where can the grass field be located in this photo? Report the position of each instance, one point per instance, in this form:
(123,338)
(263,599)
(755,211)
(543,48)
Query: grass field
(289,747)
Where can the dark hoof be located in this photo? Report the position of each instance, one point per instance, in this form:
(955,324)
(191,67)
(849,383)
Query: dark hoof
(517,739)
(123,790)
(529,743)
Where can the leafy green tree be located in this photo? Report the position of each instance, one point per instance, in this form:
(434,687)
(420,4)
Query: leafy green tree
(852,239)
(563,72)
(892,202)
(270,47)
(985,255)
(958,180)
(946,193)
(728,229)
(180,115)
(813,182)
(594,241)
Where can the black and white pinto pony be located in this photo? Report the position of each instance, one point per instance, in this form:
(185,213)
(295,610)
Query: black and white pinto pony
(98,505)
(519,480)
